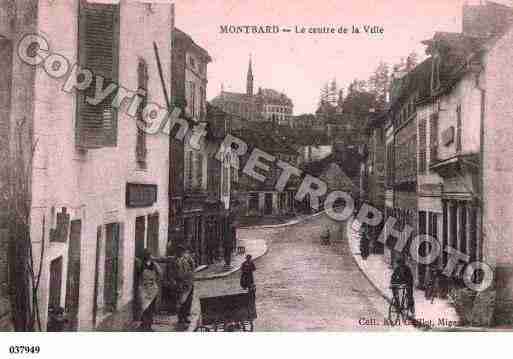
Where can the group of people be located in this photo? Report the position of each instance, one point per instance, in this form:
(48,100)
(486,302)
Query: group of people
(176,285)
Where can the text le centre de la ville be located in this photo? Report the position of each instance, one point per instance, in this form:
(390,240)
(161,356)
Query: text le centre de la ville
(300,29)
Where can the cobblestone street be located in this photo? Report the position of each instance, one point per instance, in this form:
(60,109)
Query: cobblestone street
(303,285)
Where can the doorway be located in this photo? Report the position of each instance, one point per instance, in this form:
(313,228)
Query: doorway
(73,279)
(140,228)
(268,203)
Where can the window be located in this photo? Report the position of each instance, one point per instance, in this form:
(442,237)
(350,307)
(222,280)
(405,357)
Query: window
(203,96)
(192,63)
(199,171)
(54,299)
(142,84)
(98,41)
(153,234)
(225,175)
(422,146)
(192,101)
(390,164)
(433,138)
(188,170)
(458,128)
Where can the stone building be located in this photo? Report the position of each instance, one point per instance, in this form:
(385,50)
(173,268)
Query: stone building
(449,146)
(495,85)
(98,186)
(200,198)
(372,178)
(401,157)
(265,105)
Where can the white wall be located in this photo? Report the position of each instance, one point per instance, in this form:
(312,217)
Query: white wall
(92,185)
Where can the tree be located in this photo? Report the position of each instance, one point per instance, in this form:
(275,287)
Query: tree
(325,90)
(357,86)
(333,93)
(379,83)
(340,101)
(15,194)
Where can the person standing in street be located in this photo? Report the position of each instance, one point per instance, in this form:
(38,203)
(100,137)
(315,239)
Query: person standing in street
(402,275)
(185,283)
(149,279)
(247,280)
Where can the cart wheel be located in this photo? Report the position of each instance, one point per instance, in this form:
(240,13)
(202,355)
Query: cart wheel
(247,326)
(202,328)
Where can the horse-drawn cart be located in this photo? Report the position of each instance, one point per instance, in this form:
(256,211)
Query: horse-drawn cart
(232,312)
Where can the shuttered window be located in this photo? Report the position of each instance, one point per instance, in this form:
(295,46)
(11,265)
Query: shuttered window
(98,42)
(433,138)
(422,146)
(199,171)
(458,128)
(110,288)
(142,80)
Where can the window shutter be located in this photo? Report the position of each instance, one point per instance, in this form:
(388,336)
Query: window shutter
(111,266)
(433,137)
(142,80)
(98,44)
(199,167)
(458,128)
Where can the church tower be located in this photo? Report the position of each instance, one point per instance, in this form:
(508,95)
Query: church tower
(249,80)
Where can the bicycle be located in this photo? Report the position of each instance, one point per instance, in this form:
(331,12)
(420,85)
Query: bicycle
(400,307)
(433,287)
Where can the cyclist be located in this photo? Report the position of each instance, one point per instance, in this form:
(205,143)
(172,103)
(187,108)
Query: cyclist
(402,276)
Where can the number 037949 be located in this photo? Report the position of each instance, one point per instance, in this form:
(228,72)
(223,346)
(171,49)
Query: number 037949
(24,349)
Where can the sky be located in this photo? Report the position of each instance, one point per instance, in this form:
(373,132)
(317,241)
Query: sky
(300,64)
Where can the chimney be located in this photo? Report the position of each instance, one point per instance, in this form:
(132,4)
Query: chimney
(486,19)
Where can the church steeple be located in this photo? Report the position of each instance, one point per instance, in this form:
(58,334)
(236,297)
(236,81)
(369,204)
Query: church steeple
(249,80)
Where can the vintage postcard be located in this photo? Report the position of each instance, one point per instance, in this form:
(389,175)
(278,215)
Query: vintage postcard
(237,166)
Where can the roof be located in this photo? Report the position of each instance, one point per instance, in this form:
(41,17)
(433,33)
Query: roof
(267,96)
(265,140)
(455,51)
(182,36)
(418,79)
(234,96)
(273,97)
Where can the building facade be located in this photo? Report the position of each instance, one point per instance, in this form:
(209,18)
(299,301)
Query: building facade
(98,187)
(201,195)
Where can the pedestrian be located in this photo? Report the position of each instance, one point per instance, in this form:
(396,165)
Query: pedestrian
(247,280)
(325,236)
(149,281)
(402,275)
(185,267)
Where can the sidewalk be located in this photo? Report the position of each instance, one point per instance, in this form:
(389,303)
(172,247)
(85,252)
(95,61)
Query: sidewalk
(298,219)
(256,247)
(438,315)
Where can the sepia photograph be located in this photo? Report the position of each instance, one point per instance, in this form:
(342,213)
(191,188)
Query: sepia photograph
(255,166)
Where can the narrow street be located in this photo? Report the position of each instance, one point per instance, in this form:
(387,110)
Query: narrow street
(304,286)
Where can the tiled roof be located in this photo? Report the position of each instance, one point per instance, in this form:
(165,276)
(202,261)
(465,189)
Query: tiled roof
(180,35)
